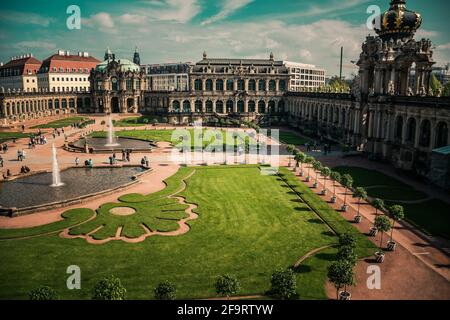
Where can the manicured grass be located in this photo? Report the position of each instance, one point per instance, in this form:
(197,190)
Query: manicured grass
(197,137)
(134,121)
(71,218)
(5,136)
(288,137)
(249,224)
(432,216)
(61,123)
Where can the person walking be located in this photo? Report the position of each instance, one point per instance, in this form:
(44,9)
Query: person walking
(77,161)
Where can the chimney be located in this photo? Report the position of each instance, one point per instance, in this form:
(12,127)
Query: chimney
(60,52)
(67,53)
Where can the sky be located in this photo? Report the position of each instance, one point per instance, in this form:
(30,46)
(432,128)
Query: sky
(307,31)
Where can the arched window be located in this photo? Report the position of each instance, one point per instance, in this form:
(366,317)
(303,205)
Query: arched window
(186,106)
(441,135)
(425,133)
(209,85)
(262,85)
(129,84)
(176,106)
(209,106)
(411,130)
(251,85)
(281,106)
(241,106)
(198,106)
(240,85)
(399,128)
(198,86)
(63,104)
(71,103)
(57,104)
(230,106)
(219,106)
(251,106)
(282,85)
(230,84)
(219,85)
(271,106)
(272,85)
(261,106)
(50,104)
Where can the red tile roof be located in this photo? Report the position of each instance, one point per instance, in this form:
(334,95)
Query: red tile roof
(68,61)
(20,67)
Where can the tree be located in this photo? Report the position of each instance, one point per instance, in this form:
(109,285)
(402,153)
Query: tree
(283,283)
(43,293)
(165,291)
(446,90)
(435,85)
(347,239)
(340,273)
(336,176)
(378,204)
(347,253)
(309,160)
(383,224)
(397,214)
(109,289)
(338,85)
(347,182)
(226,285)
(325,173)
(290,148)
(300,159)
(360,193)
(317,168)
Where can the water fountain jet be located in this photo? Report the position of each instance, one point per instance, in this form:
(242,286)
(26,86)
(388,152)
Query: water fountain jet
(111,139)
(56,177)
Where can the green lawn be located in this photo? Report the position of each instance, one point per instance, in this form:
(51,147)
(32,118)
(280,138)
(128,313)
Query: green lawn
(288,137)
(432,216)
(134,121)
(61,123)
(249,224)
(5,136)
(207,137)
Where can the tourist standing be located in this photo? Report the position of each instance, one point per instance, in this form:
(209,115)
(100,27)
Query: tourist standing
(77,161)
(1,161)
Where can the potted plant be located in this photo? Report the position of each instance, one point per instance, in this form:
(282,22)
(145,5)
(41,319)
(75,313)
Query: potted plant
(309,160)
(397,214)
(347,182)
(300,158)
(317,168)
(336,176)
(383,225)
(378,204)
(290,148)
(325,173)
(340,273)
(359,193)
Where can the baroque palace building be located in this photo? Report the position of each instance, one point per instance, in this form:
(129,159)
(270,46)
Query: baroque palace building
(386,114)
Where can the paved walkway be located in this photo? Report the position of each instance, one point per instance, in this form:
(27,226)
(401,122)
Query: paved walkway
(417,264)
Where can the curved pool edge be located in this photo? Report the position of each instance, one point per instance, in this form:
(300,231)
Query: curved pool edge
(15,212)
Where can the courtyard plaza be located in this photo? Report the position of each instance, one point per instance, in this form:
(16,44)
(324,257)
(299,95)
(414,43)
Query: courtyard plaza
(418,269)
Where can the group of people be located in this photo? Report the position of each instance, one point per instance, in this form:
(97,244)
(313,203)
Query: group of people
(24,169)
(21,155)
(57,132)
(314,147)
(145,162)
(34,140)
(126,155)
(7,174)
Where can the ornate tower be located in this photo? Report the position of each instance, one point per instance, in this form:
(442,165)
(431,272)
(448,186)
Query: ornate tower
(108,54)
(136,57)
(386,60)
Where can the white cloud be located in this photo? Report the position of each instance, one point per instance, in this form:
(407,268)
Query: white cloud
(24,18)
(229,7)
(135,19)
(102,21)
(26,45)
(180,11)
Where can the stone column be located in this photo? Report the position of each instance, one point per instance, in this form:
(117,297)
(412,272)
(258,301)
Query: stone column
(245,105)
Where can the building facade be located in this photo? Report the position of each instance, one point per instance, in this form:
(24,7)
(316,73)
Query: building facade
(65,72)
(117,85)
(20,74)
(167,77)
(304,77)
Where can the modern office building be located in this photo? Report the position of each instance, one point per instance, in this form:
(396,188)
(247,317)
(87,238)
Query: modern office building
(304,77)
